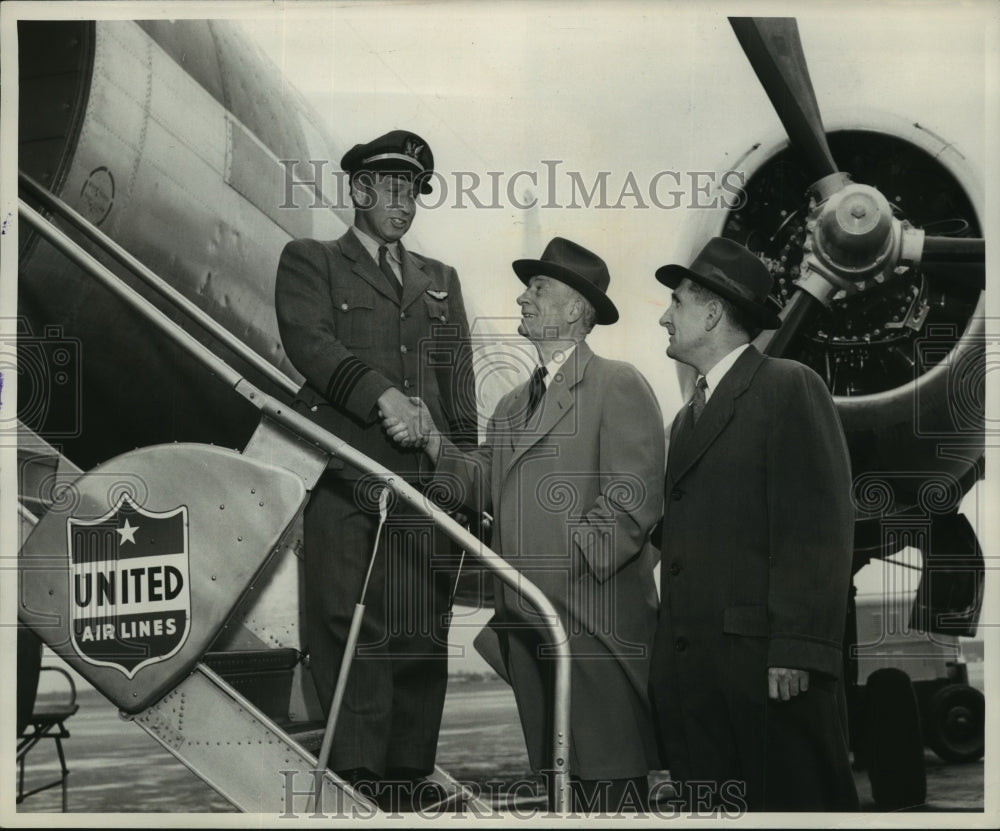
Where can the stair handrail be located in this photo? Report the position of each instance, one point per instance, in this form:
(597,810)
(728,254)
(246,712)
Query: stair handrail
(271,407)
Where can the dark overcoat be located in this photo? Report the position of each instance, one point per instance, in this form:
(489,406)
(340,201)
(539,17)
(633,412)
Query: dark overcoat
(574,495)
(756,544)
(348,330)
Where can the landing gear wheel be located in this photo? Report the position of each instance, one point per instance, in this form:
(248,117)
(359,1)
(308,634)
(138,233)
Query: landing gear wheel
(893,741)
(956,723)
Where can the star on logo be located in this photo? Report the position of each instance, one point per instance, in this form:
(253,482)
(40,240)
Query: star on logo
(127,532)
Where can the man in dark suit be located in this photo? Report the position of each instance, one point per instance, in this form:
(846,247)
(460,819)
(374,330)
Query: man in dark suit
(571,470)
(370,324)
(757,534)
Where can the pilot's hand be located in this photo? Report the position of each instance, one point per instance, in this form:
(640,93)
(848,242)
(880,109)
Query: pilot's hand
(401,418)
(407,421)
(786,683)
(430,436)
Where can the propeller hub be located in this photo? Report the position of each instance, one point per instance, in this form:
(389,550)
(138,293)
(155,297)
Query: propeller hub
(854,234)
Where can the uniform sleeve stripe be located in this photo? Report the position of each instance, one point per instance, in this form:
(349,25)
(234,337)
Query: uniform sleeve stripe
(344,379)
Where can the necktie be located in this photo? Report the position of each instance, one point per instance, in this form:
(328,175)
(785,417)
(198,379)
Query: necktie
(536,389)
(698,399)
(390,275)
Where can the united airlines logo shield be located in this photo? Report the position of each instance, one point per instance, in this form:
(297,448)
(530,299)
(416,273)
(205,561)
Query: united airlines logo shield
(130,602)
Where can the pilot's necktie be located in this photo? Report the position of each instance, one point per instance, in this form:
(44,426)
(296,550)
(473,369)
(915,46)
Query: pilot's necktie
(390,275)
(698,399)
(536,389)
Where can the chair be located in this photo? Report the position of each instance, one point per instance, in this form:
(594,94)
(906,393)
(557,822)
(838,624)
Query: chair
(40,720)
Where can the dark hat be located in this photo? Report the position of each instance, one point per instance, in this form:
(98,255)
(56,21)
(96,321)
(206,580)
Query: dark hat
(578,268)
(398,151)
(732,272)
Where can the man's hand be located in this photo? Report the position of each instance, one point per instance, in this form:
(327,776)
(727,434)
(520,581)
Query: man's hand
(785,683)
(407,422)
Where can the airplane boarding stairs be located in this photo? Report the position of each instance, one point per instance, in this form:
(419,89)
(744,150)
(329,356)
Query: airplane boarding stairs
(240,718)
(211,577)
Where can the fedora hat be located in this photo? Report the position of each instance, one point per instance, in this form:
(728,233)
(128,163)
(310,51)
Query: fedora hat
(398,151)
(578,268)
(732,272)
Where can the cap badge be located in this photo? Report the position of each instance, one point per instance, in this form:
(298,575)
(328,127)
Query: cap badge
(413,148)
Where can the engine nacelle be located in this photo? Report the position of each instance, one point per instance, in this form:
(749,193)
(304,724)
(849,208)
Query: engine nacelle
(901,346)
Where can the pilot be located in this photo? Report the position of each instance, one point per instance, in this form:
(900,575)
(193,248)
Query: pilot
(757,534)
(571,470)
(370,324)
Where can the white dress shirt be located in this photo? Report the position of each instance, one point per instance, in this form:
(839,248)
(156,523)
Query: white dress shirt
(715,375)
(552,367)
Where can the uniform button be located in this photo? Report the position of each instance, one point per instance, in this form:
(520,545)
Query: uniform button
(344,306)
(444,319)
(314,408)
(406,384)
(675,568)
(402,348)
(680,644)
(676,494)
(402,315)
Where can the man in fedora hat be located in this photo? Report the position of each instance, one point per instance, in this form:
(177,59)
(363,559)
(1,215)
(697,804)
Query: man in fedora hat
(756,545)
(370,324)
(571,471)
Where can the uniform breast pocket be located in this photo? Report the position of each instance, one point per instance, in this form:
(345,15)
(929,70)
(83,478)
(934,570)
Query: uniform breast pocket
(354,309)
(437,310)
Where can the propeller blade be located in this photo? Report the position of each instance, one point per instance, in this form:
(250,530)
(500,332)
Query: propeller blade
(801,309)
(773,47)
(959,260)
(954,250)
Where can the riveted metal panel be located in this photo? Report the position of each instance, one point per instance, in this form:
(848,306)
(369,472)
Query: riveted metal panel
(237,510)
(241,753)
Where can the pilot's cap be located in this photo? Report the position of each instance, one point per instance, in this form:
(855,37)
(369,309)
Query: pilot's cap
(398,151)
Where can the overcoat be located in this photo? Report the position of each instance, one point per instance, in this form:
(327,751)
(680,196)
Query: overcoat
(573,495)
(353,335)
(756,544)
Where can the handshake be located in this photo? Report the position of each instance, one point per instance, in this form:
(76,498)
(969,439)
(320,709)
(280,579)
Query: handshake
(408,422)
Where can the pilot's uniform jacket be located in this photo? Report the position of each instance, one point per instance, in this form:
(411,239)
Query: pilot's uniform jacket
(573,496)
(757,535)
(347,330)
